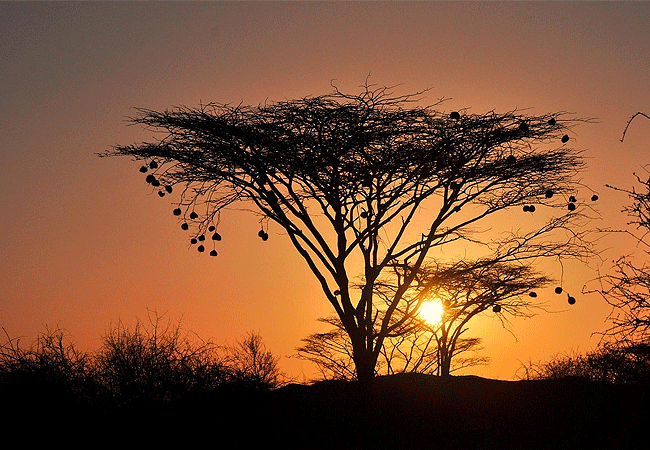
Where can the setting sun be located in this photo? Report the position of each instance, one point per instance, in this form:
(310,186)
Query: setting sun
(432,312)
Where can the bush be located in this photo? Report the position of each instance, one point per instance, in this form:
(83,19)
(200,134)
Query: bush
(611,362)
(146,367)
(51,371)
(149,365)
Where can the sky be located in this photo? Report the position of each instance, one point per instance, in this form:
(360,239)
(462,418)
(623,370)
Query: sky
(85,243)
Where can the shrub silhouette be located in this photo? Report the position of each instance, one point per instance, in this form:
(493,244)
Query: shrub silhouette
(50,371)
(612,363)
(145,367)
(149,365)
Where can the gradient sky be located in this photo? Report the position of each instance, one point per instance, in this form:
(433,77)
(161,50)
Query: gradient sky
(84,243)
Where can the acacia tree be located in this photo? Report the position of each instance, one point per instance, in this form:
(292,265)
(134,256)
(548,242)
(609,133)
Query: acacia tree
(362,182)
(469,288)
(465,289)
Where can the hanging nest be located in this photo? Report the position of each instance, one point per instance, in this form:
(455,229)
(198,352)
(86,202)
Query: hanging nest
(594,198)
(532,294)
(194,215)
(496,308)
(565,139)
(558,290)
(153,164)
(184,226)
(549,193)
(571,300)
(177,212)
(144,169)
(200,248)
(216,237)
(552,121)
(454,115)
(213,253)
(169,189)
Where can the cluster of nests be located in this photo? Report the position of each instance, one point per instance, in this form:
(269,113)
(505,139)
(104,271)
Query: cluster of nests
(523,125)
(152,180)
(558,290)
(571,204)
(212,229)
(201,238)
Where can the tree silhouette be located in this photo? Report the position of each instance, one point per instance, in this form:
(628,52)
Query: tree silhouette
(413,352)
(363,182)
(627,290)
(469,288)
(465,288)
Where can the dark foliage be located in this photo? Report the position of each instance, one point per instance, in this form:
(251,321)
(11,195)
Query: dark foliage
(613,363)
(140,373)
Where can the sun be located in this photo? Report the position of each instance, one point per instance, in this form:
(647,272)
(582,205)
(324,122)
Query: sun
(432,312)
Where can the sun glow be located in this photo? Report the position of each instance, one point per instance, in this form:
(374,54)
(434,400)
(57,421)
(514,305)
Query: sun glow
(432,312)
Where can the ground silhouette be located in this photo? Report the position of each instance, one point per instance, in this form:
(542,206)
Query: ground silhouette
(406,411)
(423,411)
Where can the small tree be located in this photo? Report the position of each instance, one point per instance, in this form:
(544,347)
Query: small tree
(416,351)
(469,288)
(627,290)
(465,289)
(362,182)
(253,364)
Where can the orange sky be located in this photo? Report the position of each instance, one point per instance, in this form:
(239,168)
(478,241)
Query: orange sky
(85,243)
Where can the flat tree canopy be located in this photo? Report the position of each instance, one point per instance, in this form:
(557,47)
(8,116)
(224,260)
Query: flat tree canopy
(346,176)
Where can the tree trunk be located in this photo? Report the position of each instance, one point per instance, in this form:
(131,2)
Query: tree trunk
(445,366)
(445,361)
(364,362)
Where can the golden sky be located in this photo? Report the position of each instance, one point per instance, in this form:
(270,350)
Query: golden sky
(84,243)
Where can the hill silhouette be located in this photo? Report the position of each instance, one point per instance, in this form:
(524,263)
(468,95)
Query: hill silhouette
(415,411)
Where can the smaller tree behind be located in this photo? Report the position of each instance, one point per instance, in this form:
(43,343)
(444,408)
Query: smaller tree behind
(253,364)
(469,288)
(465,289)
